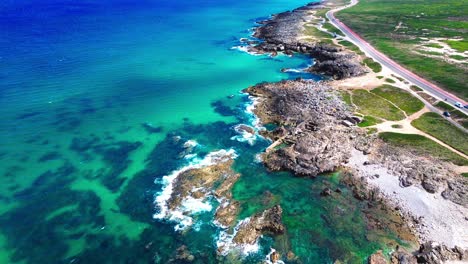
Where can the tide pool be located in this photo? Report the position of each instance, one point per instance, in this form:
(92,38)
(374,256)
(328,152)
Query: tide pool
(93,94)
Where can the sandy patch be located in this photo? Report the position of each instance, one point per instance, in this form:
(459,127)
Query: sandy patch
(368,81)
(445,51)
(439,220)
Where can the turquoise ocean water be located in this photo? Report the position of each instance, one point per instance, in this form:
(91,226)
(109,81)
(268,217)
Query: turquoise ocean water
(92,94)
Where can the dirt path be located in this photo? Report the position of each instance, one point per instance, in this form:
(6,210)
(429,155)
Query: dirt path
(405,127)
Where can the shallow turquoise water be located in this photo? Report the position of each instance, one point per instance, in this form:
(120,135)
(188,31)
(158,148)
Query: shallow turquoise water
(78,165)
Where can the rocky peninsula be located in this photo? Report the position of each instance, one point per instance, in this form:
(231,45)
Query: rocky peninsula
(316,132)
(284,33)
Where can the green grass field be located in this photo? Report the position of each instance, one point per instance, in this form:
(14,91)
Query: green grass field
(317,35)
(346,97)
(433,45)
(438,127)
(369,121)
(351,46)
(444,106)
(422,146)
(416,88)
(457,57)
(403,99)
(460,46)
(377,21)
(332,29)
(375,66)
(370,104)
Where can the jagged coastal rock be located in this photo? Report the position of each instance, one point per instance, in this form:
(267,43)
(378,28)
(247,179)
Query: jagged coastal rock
(198,183)
(189,191)
(311,137)
(267,222)
(283,33)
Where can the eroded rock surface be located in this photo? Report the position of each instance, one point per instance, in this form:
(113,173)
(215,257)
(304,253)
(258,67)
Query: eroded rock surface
(284,32)
(267,222)
(377,258)
(311,137)
(433,253)
(198,183)
(432,174)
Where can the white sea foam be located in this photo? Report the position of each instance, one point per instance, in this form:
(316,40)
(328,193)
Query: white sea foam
(258,158)
(246,50)
(249,109)
(189,206)
(225,243)
(254,121)
(300,70)
(190,156)
(194,206)
(244,136)
(268,258)
(190,143)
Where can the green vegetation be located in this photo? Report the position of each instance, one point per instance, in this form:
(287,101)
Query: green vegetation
(379,77)
(458,114)
(416,88)
(377,21)
(459,45)
(465,174)
(464,123)
(433,53)
(457,57)
(438,127)
(422,145)
(321,12)
(316,34)
(383,102)
(389,80)
(399,78)
(373,105)
(433,45)
(346,97)
(371,130)
(375,66)
(369,121)
(332,29)
(351,46)
(444,106)
(403,99)
(397,126)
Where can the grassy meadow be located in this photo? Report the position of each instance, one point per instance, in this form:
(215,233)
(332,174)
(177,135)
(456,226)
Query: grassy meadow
(398,27)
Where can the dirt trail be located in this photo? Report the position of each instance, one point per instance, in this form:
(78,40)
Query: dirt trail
(405,127)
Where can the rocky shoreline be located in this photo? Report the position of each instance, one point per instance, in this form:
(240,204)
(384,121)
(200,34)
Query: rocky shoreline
(283,33)
(316,133)
(192,189)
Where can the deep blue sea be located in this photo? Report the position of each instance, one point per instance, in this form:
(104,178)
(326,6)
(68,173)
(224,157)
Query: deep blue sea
(92,94)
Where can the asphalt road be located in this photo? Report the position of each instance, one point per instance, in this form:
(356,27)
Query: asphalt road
(392,65)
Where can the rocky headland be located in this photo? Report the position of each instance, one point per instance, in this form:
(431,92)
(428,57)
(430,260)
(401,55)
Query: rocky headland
(193,188)
(317,133)
(284,33)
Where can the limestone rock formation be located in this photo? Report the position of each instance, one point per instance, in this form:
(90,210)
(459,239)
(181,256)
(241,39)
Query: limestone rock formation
(310,131)
(283,32)
(377,258)
(267,222)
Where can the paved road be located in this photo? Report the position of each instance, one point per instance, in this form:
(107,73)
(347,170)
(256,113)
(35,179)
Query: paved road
(387,62)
